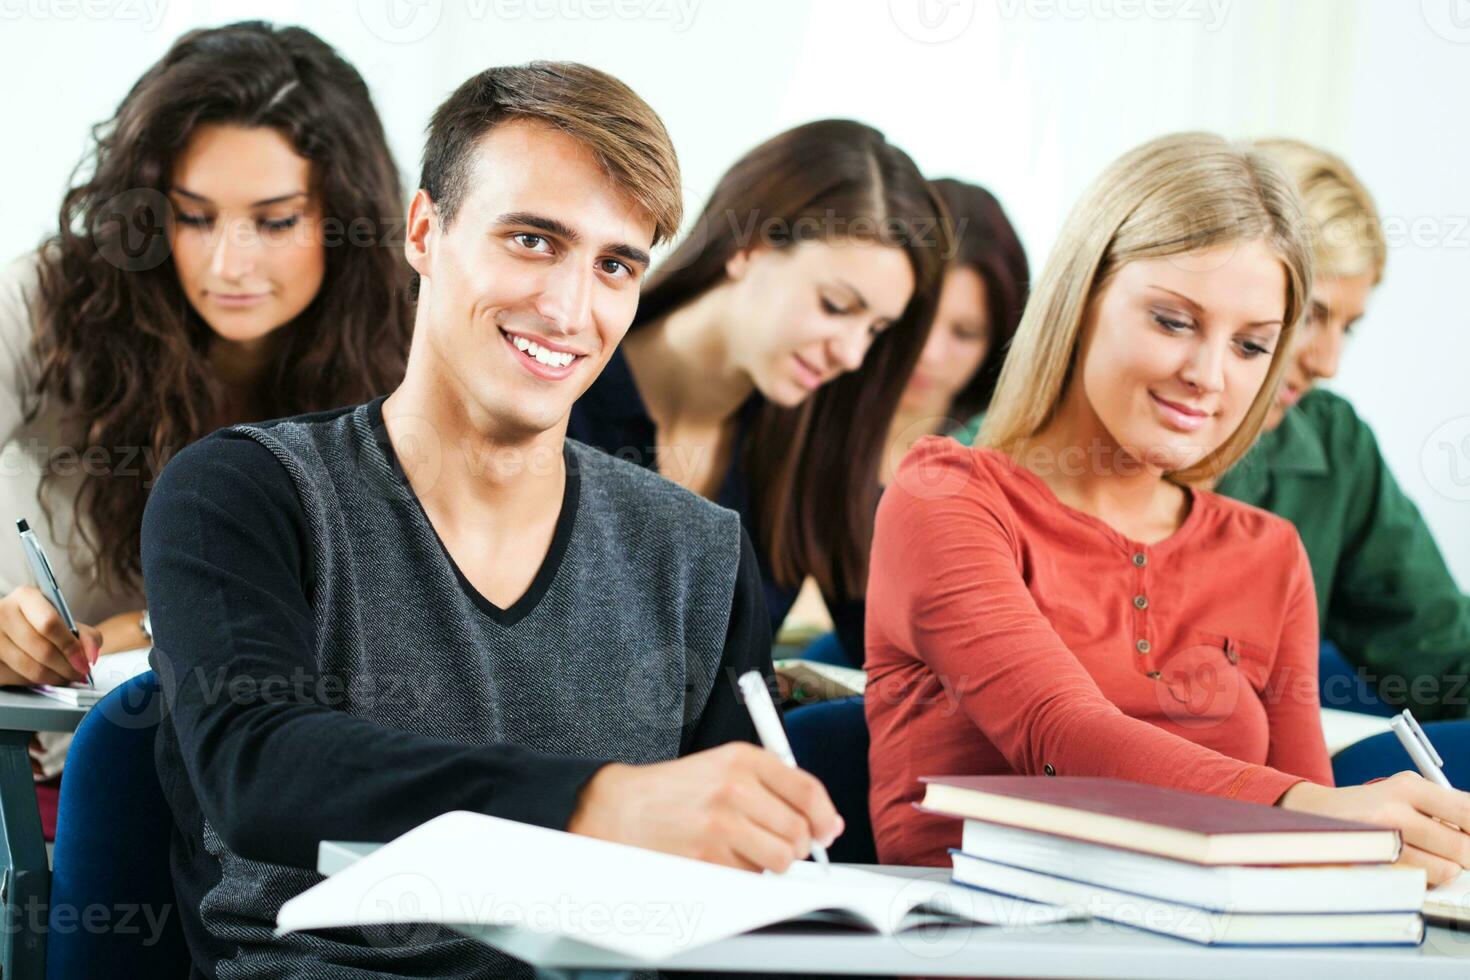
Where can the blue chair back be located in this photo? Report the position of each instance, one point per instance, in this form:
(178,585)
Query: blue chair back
(830,741)
(113,828)
(1342,687)
(1382,755)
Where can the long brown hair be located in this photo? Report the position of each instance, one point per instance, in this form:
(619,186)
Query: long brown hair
(985,241)
(120,344)
(813,468)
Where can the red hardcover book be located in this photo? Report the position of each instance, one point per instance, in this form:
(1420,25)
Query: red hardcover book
(1155,820)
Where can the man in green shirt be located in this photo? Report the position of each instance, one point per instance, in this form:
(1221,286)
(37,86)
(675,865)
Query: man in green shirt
(1384,595)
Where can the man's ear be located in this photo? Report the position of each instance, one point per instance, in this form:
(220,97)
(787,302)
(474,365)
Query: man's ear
(422,233)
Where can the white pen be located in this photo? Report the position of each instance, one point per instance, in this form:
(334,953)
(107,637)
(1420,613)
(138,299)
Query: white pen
(1420,749)
(769,729)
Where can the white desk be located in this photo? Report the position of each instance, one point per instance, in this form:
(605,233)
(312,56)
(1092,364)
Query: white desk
(1068,949)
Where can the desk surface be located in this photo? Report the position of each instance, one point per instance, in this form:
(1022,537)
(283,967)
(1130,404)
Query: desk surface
(27,711)
(1067,949)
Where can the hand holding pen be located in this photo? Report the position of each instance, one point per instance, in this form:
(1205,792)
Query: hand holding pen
(39,641)
(769,729)
(1428,812)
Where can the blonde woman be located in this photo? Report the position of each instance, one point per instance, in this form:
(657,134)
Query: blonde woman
(1385,598)
(1063,599)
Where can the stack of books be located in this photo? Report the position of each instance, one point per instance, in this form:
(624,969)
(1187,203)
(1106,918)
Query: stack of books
(1200,868)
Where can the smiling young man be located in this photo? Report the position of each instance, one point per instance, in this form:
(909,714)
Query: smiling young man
(435,601)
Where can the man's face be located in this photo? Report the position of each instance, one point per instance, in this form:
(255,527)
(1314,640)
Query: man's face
(528,291)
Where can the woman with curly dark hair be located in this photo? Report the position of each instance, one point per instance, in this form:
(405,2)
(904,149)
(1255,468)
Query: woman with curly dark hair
(221,257)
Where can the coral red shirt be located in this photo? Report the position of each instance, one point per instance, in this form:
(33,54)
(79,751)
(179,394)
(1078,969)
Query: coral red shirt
(1010,633)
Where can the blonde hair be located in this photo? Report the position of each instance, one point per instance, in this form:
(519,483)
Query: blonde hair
(1171,196)
(1347,234)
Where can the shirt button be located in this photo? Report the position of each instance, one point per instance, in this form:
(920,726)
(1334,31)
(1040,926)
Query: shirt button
(1232,656)
(1048,769)
(1140,601)
(1154,675)
(1142,646)
(1140,559)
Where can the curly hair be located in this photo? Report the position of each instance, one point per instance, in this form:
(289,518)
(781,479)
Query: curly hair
(118,341)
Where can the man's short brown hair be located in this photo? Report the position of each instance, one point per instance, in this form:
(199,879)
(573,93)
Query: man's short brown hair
(621,130)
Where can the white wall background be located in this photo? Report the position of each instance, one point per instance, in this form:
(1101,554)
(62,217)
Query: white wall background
(1030,97)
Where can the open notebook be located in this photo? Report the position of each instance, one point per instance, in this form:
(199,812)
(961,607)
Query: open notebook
(470,869)
(108,672)
(1450,904)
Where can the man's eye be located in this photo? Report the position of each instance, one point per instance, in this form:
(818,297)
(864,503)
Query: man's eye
(613,267)
(536,243)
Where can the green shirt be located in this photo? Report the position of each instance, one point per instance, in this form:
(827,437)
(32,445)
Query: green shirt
(1384,594)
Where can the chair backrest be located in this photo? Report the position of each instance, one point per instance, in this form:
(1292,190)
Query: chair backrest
(1342,687)
(830,741)
(112,894)
(1383,755)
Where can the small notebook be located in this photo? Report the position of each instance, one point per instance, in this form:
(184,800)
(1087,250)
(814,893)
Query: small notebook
(812,681)
(108,673)
(468,869)
(1155,820)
